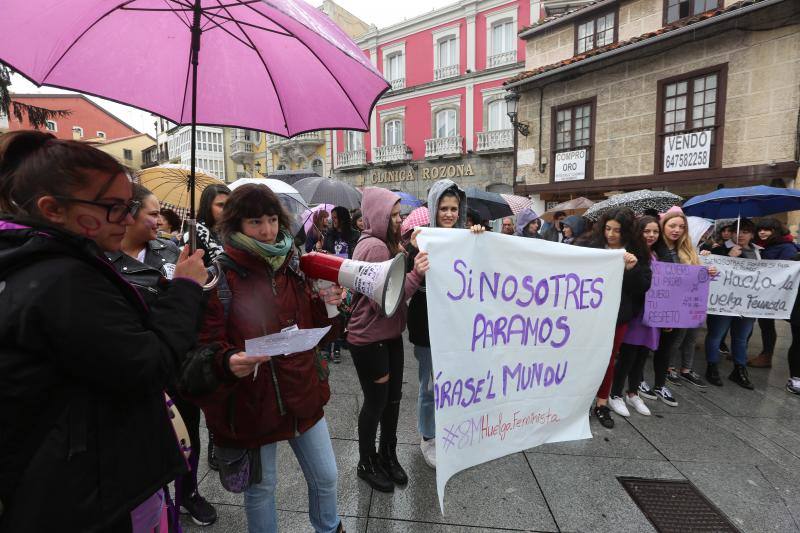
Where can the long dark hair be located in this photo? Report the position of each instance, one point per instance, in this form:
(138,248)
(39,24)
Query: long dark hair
(172,218)
(641,224)
(35,164)
(393,237)
(250,201)
(777,228)
(205,214)
(345,223)
(630,238)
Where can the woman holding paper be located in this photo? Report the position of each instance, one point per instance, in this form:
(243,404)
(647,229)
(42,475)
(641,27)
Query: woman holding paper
(740,327)
(615,231)
(675,246)
(376,344)
(259,400)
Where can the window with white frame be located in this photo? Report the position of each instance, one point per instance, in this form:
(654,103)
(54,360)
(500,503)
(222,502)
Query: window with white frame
(101,135)
(353,140)
(503,36)
(497,116)
(446,123)
(51,125)
(78,130)
(393,132)
(447,51)
(395,68)
(318,167)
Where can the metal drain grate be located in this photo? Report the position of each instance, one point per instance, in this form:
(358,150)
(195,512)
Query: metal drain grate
(676,506)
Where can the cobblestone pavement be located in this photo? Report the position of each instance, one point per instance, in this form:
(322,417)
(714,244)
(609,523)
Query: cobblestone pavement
(740,448)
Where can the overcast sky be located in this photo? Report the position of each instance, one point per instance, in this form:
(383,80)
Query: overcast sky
(379,12)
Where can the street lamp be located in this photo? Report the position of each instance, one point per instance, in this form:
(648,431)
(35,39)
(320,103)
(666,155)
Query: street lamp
(258,167)
(512,103)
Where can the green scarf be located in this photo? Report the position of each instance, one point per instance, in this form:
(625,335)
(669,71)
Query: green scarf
(273,254)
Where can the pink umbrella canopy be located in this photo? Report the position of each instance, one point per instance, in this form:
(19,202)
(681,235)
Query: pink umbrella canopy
(279,66)
(308,216)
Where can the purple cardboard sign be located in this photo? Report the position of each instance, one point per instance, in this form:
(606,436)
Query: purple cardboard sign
(678,296)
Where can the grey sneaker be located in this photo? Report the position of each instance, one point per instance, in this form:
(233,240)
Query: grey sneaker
(694,378)
(793,386)
(673,377)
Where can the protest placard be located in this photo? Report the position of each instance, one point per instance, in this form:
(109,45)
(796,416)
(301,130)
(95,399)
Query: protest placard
(521,333)
(678,296)
(756,288)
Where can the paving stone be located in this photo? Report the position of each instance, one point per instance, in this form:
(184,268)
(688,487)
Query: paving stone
(232,519)
(743,494)
(377,525)
(498,494)
(584,494)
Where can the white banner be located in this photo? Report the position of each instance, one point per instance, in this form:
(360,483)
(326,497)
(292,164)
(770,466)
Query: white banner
(753,288)
(521,334)
(687,151)
(570,166)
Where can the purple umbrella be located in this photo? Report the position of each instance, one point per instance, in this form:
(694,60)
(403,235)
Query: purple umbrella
(279,66)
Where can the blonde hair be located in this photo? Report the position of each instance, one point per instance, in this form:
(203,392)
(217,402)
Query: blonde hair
(686,252)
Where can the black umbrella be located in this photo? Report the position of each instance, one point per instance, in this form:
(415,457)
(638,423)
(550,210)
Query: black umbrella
(636,201)
(490,205)
(328,191)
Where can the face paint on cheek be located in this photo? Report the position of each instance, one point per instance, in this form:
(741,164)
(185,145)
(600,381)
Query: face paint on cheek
(89,225)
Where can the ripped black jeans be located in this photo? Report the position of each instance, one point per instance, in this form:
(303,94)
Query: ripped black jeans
(381,403)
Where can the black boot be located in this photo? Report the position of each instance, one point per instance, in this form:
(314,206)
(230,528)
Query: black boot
(740,377)
(391,465)
(712,375)
(372,472)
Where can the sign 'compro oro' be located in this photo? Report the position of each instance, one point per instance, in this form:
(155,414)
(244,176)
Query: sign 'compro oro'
(425,173)
(570,166)
(687,151)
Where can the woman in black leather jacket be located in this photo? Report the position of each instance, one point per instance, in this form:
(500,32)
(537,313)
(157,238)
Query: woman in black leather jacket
(148,263)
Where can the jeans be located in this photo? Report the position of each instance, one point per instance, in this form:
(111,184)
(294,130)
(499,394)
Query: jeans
(315,454)
(426,411)
(381,404)
(740,328)
(608,379)
(630,366)
(768,335)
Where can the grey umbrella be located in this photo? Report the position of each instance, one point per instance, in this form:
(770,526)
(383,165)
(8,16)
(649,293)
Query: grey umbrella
(636,201)
(328,191)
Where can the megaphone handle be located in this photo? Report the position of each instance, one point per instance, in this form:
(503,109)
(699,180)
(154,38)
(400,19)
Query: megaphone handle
(333,310)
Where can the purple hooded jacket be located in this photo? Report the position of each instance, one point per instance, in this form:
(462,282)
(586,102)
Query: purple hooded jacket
(368,324)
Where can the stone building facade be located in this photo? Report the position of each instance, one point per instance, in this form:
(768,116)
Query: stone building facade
(728,77)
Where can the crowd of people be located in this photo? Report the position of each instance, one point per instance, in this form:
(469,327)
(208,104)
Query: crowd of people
(108,321)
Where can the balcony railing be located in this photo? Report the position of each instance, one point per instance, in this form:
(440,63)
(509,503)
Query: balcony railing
(503,58)
(443,146)
(495,140)
(242,151)
(398,83)
(312,137)
(351,158)
(391,153)
(442,73)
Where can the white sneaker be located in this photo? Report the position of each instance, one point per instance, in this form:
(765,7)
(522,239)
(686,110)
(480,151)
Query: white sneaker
(638,404)
(617,404)
(428,448)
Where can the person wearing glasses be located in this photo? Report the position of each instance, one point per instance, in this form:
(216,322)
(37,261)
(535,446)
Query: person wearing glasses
(83,360)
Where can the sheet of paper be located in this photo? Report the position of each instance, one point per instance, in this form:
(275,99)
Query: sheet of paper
(285,342)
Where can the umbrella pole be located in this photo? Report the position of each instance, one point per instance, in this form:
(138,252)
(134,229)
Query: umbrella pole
(192,222)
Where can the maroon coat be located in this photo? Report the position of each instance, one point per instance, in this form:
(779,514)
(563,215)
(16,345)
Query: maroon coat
(287,396)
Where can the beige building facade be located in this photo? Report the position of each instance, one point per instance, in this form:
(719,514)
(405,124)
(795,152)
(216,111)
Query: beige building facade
(620,97)
(127,150)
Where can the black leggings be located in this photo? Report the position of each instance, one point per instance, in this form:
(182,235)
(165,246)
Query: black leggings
(768,335)
(381,400)
(794,352)
(630,366)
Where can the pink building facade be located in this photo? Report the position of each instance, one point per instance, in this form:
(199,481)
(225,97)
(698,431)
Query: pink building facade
(445,115)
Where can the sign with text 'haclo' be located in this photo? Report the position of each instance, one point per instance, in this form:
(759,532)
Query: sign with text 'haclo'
(755,288)
(521,333)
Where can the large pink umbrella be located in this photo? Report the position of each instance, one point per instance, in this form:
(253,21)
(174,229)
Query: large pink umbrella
(279,66)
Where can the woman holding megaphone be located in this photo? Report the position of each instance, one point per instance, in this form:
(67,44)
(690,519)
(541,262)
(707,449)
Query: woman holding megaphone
(256,400)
